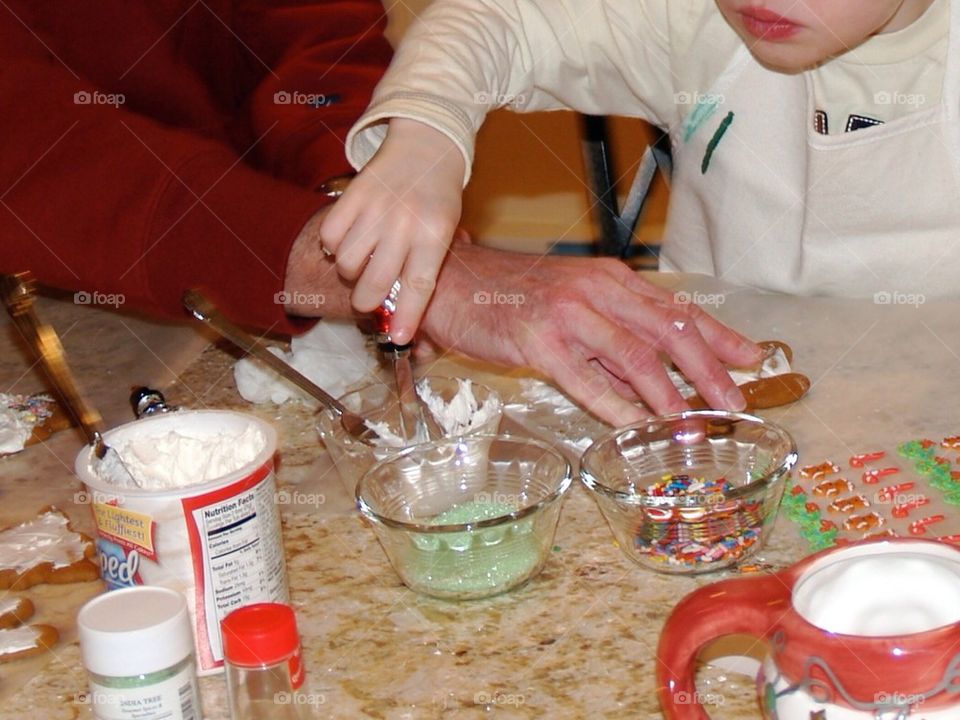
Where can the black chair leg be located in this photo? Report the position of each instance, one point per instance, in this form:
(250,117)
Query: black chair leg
(615,236)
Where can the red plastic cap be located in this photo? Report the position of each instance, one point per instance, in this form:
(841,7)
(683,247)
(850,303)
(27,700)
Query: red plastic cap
(260,634)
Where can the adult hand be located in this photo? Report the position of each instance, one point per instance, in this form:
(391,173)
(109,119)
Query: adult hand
(593,325)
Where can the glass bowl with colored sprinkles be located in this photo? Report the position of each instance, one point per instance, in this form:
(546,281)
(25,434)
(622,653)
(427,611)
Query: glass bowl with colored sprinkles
(469,517)
(692,492)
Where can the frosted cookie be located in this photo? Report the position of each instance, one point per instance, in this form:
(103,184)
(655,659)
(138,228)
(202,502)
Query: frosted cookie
(45,550)
(14,611)
(20,642)
(770,384)
(28,419)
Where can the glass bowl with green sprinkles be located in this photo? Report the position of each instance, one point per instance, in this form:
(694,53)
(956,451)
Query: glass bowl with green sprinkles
(468,517)
(692,492)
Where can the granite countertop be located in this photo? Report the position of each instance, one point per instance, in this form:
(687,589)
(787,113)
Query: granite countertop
(577,641)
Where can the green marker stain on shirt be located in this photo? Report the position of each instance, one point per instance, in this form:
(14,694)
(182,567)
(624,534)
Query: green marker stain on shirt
(714,141)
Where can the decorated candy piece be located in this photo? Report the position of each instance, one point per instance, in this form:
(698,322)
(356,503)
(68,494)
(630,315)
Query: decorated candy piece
(873,476)
(867,521)
(848,504)
(816,472)
(919,527)
(951,443)
(888,533)
(903,509)
(828,488)
(858,461)
(888,493)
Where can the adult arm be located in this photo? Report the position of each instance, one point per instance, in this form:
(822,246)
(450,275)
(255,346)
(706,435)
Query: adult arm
(594,326)
(102,198)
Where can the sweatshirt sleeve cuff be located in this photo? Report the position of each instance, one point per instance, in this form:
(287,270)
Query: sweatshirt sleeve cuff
(369,132)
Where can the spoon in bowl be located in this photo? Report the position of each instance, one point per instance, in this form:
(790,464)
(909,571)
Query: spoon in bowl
(204,310)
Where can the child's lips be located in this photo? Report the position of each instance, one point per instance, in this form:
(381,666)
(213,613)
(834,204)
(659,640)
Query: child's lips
(768,25)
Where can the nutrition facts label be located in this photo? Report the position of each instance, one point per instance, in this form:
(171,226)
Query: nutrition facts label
(237,530)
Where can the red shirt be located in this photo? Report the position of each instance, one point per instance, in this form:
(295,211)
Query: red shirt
(157,146)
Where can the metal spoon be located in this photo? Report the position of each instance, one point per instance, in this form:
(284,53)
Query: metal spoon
(18,295)
(205,311)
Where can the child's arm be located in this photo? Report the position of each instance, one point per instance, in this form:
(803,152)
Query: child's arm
(461,60)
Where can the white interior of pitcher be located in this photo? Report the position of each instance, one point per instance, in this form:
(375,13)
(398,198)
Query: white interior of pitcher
(882,589)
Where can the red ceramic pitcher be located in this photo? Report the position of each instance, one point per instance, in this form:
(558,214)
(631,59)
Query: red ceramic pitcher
(866,631)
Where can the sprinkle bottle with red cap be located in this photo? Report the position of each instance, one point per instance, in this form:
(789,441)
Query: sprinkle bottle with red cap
(262,655)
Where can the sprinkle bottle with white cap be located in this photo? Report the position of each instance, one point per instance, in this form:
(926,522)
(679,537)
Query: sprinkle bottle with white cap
(137,646)
(262,655)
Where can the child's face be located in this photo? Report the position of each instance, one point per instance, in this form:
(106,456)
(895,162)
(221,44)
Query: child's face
(793,35)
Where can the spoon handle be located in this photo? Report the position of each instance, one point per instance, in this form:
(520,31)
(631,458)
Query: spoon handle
(18,295)
(204,310)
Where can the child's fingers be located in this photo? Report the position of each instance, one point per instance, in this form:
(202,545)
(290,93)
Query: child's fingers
(340,218)
(417,283)
(378,276)
(355,250)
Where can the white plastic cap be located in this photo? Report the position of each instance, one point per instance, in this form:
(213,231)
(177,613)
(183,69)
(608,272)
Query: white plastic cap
(134,631)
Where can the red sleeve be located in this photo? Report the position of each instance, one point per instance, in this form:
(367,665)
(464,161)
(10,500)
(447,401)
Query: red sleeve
(96,197)
(326,59)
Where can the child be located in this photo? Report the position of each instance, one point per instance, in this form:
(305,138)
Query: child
(815,142)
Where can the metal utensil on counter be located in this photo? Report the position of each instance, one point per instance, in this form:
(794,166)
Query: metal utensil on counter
(205,311)
(417,423)
(147,401)
(18,295)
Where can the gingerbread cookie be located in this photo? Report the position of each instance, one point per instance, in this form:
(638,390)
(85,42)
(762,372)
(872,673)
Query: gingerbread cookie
(25,641)
(45,550)
(14,611)
(770,384)
(29,419)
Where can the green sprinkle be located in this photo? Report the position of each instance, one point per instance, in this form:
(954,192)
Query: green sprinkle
(473,563)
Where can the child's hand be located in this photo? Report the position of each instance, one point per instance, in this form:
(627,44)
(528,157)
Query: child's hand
(396,220)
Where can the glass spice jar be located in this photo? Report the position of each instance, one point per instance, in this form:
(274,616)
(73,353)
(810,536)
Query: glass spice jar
(262,656)
(137,646)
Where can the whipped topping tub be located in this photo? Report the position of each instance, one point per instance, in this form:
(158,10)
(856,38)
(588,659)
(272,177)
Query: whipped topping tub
(200,517)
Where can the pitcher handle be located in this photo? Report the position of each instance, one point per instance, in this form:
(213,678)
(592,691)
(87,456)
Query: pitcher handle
(748,606)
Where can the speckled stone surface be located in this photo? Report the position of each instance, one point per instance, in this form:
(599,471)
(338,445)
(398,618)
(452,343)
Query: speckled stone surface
(579,640)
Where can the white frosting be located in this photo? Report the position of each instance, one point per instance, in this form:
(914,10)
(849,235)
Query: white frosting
(14,432)
(461,415)
(333,354)
(18,639)
(175,460)
(45,539)
(9,605)
(537,391)
(386,437)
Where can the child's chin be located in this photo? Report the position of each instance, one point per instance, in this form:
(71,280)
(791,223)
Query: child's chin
(788,61)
